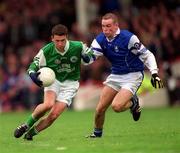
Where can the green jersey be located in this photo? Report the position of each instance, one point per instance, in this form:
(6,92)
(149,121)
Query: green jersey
(66,65)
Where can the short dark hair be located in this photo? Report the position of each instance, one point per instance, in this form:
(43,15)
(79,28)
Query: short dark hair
(111,16)
(59,29)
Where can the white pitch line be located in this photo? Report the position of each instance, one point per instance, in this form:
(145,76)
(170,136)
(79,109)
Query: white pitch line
(61,148)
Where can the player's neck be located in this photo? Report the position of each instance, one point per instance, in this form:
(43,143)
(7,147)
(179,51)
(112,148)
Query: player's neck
(61,51)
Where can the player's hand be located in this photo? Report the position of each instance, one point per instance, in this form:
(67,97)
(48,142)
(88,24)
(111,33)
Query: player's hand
(35,79)
(88,56)
(156,81)
(85,58)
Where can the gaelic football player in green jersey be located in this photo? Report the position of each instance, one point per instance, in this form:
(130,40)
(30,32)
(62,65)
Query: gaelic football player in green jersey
(64,57)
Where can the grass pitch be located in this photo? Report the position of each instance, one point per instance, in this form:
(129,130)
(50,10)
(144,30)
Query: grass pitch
(158,131)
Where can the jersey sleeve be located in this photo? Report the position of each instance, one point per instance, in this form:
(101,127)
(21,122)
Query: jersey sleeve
(147,57)
(97,50)
(38,61)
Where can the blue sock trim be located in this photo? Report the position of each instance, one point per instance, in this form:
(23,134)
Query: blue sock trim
(98,132)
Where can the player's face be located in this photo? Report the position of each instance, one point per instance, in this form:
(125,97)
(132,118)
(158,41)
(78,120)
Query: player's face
(109,28)
(59,41)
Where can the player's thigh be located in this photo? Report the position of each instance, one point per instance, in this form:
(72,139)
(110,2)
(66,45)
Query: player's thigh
(51,92)
(106,97)
(67,92)
(122,97)
(49,97)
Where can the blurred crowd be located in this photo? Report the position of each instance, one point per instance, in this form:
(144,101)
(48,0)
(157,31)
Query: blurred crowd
(25,27)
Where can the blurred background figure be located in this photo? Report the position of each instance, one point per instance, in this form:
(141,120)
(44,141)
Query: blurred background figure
(24,26)
(173,85)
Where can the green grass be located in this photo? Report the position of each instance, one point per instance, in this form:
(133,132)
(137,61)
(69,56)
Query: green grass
(158,131)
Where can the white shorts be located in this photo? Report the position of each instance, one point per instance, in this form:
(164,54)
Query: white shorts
(130,81)
(65,91)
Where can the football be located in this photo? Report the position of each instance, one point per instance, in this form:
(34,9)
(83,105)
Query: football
(47,76)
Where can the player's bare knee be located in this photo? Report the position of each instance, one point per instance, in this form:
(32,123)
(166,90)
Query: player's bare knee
(117,108)
(48,106)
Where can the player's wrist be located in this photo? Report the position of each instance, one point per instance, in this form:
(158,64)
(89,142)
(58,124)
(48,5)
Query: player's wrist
(155,75)
(155,71)
(85,58)
(29,71)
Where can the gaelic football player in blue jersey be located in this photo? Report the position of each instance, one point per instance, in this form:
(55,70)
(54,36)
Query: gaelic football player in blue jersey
(128,56)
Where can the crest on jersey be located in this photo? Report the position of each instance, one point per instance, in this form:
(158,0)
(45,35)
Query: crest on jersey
(116,49)
(73,59)
(57,61)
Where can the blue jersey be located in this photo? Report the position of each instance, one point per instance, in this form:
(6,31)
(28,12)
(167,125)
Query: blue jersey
(125,52)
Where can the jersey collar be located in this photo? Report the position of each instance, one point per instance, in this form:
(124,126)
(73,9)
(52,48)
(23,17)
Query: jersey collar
(117,33)
(65,48)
